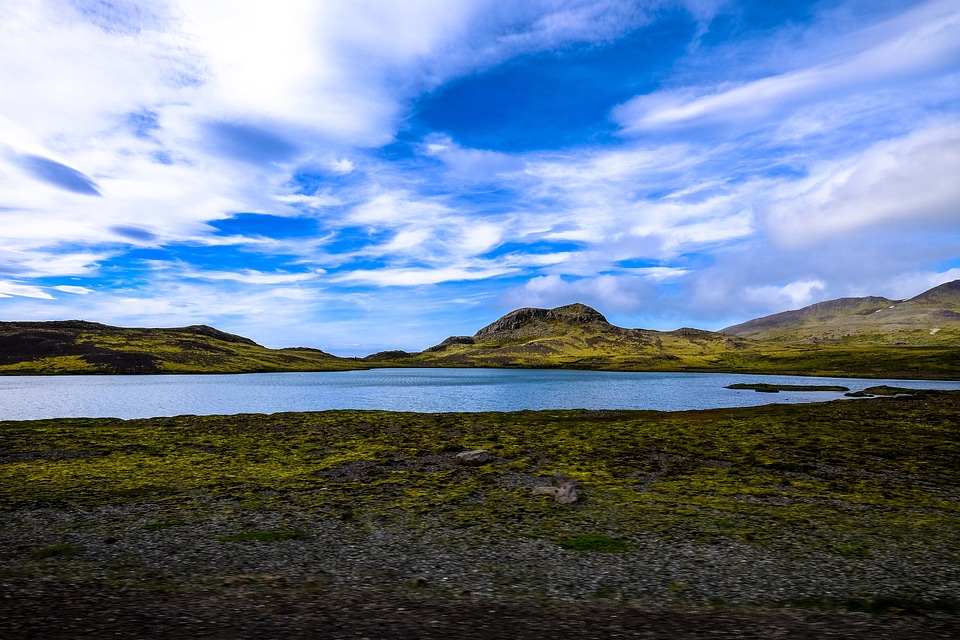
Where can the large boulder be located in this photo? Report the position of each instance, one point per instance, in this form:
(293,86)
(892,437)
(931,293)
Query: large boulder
(474,458)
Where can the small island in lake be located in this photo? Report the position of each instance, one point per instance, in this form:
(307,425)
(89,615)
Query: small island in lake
(763,387)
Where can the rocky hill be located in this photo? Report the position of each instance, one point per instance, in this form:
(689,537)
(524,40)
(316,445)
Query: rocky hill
(76,346)
(572,336)
(929,319)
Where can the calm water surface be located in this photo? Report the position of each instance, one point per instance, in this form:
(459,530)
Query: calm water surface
(426,390)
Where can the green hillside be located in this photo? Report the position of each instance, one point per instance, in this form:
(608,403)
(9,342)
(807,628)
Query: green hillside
(578,337)
(929,319)
(75,346)
(571,336)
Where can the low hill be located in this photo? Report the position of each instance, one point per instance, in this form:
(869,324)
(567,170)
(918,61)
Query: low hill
(572,336)
(76,346)
(929,319)
(579,337)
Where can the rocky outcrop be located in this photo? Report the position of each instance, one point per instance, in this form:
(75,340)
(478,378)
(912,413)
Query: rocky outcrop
(392,354)
(539,320)
(452,340)
(210,332)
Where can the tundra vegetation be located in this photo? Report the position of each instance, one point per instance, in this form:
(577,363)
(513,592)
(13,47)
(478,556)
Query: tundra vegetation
(869,484)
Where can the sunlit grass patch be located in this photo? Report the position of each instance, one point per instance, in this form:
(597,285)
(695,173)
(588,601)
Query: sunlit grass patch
(853,550)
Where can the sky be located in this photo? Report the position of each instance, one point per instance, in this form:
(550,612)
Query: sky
(373,174)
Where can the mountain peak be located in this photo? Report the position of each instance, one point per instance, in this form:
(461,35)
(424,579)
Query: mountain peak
(532,320)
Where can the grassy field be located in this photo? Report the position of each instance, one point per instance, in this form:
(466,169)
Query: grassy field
(858,481)
(692,352)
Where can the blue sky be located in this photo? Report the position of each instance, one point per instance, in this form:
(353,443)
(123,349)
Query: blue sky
(355,176)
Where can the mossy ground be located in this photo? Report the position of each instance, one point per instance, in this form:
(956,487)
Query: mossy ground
(865,475)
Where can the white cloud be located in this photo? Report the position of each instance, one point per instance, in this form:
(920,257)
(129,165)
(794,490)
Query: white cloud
(471,164)
(318,201)
(908,181)
(412,277)
(908,285)
(916,42)
(182,113)
(80,291)
(9,289)
(342,166)
(792,295)
(39,264)
(249,276)
(396,209)
(605,199)
(623,294)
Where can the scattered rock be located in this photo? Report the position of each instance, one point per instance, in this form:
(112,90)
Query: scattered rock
(562,488)
(474,458)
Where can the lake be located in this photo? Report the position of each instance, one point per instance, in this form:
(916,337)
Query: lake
(423,390)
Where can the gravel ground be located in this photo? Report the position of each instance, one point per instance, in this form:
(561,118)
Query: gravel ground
(55,610)
(140,573)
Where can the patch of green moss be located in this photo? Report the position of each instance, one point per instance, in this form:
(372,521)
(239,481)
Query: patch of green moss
(853,550)
(64,550)
(52,365)
(595,542)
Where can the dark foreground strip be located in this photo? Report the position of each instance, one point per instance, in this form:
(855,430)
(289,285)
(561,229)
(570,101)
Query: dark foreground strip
(36,609)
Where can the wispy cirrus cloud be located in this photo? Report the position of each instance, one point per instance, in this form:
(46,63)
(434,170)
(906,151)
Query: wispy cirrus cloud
(915,43)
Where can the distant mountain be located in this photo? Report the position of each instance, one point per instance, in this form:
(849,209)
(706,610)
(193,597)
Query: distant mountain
(579,337)
(572,336)
(862,337)
(76,346)
(929,319)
